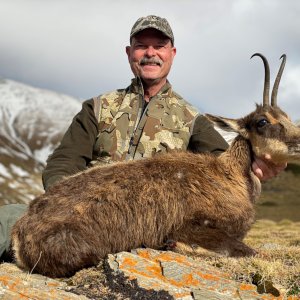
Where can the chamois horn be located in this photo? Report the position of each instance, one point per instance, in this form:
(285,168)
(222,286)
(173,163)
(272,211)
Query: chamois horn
(267,79)
(277,81)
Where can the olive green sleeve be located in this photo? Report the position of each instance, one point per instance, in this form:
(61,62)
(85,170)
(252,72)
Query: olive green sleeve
(76,148)
(205,138)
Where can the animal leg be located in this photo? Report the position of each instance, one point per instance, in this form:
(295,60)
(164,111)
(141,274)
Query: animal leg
(212,239)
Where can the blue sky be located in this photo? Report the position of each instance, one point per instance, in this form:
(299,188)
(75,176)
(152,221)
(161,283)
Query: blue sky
(77,47)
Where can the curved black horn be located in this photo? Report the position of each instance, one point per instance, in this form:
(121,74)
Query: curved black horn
(277,81)
(267,79)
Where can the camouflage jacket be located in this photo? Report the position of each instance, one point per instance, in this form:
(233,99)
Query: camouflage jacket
(129,128)
(118,126)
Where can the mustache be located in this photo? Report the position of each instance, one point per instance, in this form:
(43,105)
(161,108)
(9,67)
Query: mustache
(152,60)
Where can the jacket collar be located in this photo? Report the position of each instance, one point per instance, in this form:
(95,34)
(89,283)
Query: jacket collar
(137,88)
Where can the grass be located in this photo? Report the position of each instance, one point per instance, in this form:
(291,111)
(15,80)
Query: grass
(276,267)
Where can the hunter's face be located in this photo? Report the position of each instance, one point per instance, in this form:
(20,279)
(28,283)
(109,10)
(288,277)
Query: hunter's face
(151,55)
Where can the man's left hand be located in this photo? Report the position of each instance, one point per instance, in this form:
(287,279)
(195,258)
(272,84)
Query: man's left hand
(265,169)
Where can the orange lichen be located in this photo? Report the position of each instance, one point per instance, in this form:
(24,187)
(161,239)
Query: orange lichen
(270,297)
(5,279)
(144,254)
(208,276)
(167,256)
(247,287)
(155,270)
(10,283)
(53,284)
(189,280)
(128,262)
(181,295)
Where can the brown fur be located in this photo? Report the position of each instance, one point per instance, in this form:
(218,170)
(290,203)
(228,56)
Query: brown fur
(197,199)
(124,206)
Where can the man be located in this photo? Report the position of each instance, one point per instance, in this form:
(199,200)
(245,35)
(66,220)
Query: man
(145,119)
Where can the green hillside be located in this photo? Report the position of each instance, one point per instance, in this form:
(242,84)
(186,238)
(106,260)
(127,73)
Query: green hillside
(280,198)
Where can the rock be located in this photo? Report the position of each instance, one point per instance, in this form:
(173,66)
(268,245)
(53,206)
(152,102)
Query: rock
(136,275)
(16,284)
(182,277)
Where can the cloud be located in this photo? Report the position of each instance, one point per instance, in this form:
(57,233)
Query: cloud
(290,92)
(78,47)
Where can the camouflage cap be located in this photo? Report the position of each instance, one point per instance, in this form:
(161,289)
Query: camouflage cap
(155,22)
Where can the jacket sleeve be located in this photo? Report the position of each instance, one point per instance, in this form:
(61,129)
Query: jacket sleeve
(76,148)
(205,138)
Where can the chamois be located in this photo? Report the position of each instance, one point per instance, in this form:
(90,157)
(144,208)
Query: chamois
(196,199)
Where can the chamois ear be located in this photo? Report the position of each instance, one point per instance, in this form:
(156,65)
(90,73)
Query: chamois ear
(231,125)
(224,123)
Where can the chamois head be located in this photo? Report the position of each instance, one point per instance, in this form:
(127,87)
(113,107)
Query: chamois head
(268,128)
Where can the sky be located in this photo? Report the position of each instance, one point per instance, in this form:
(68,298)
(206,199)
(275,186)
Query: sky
(77,47)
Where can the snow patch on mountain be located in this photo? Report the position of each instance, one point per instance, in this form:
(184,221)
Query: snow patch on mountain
(28,113)
(32,123)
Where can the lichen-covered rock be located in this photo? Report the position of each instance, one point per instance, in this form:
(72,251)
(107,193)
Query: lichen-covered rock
(142,274)
(180,276)
(16,284)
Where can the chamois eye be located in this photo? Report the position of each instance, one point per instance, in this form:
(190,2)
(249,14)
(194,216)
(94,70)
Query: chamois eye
(261,123)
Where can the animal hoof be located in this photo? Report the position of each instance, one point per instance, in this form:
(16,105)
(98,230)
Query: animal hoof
(250,252)
(169,245)
(242,250)
(245,252)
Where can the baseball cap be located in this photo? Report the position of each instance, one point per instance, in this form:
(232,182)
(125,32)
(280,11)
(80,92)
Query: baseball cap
(155,22)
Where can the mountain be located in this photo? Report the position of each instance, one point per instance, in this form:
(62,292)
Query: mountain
(32,122)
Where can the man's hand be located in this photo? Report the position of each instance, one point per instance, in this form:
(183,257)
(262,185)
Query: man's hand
(265,169)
